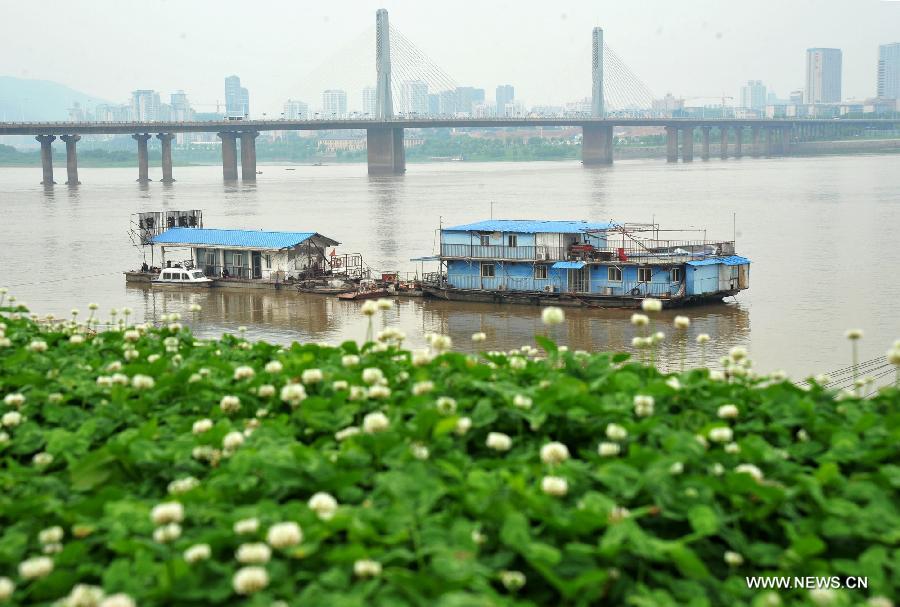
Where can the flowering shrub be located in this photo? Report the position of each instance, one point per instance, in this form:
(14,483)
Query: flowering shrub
(217,471)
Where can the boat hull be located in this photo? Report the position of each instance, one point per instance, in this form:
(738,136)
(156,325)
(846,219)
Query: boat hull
(357,295)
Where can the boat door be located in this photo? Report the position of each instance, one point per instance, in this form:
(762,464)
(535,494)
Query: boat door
(578,280)
(257,264)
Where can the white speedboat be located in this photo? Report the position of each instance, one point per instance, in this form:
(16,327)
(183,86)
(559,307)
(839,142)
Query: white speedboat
(183,277)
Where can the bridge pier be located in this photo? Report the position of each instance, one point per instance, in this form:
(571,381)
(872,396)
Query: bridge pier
(248,155)
(143,157)
(768,142)
(705,153)
(738,136)
(755,134)
(165,142)
(229,155)
(723,142)
(671,144)
(71,159)
(384,151)
(46,157)
(785,141)
(687,144)
(596,145)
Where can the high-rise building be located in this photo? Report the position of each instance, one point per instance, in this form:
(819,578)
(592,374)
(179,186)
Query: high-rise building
(368,101)
(145,105)
(334,103)
(505,94)
(296,110)
(889,71)
(237,98)
(181,108)
(434,104)
(796,97)
(753,95)
(823,75)
(414,97)
(467,97)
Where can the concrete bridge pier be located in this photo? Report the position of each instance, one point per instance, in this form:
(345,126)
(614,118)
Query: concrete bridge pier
(46,157)
(596,145)
(248,155)
(755,134)
(687,144)
(738,135)
(384,151)
(143,164)
(705,153)
(165,142)
(785,140)
(71,159)
(229,155)
(671,144)
(723,142)
(768,142)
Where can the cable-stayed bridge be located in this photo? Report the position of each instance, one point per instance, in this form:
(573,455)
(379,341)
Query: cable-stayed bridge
(615,90)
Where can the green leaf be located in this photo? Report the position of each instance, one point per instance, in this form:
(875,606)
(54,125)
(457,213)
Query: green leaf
(703,519)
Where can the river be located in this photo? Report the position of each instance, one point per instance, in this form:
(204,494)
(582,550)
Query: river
(822,234)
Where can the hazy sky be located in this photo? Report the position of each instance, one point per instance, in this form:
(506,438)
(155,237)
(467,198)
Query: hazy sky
(281,49)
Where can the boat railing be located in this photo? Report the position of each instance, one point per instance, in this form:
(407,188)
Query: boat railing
(503,283)
(673,251)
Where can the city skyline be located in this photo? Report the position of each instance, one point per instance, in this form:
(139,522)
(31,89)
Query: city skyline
(694,53)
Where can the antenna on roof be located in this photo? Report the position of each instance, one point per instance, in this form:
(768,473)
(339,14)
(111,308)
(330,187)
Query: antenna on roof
(492,209)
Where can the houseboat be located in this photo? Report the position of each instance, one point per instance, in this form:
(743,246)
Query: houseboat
(580,263)
(246,258)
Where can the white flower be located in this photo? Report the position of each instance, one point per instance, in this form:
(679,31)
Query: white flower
(378,391)
(422,387)
(197,553)
(879,601)
(521,401)
(142,382)
(7,587)
(14,400)
(311,376)
(716,375)
(266,391)
(463,424)
(167,512)
(893,357)
(553,316)
(498,441)
(284,535)
(441,343)
(232,440)
(372,375)
(737,353)
(554,485)
(42,459)
(244,372)
(517,362)
(727,411)
(384,304)
(618,514)
(131,335)
(38,345)
(35,567)
(823,596)
(717,469)
(375,422)
(323,504)
(131,354)
(554,453)
(76,339)
(733,558)
(51,535)
(293,394)
(248,580)
(183,485)
(246,526)
(202,425)
(673,383)
(732,448)
(4,438)
(479,337)
(420,357)
(195,307)
(346,433)
(230,404)
(658,336)
(253,554)
(651,305)
(608,449)
(643,405)
(616,432)
(750,469)
(419,451)
(274,366)
(83,595)
(676,468)
(367,568)
(167,533)
(339,385)
(53,548)
(702,338)
(512,580)
(640,320)
(11,419)
(446,405)
(350,360)
(682,322)
(853,334)
(369,307)
(802,435)
(721,434)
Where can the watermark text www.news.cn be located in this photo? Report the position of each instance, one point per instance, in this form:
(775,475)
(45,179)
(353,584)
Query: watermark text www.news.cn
(808,582)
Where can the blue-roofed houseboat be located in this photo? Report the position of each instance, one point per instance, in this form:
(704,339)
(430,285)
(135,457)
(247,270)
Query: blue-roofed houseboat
(580,263)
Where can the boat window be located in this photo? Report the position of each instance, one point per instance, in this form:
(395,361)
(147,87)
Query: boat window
(540,272)
(166,275)
(198,275)
(613,274)
(645,274)
(487,270)
(485,240)
(184,276)
(512,240)
(676,275)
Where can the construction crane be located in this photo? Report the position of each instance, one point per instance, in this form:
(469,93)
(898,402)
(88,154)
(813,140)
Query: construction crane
(723,97)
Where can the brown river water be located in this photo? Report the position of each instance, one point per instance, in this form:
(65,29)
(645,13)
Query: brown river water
(823,235)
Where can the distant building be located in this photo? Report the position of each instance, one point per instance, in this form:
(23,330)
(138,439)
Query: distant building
(513,109)
(334,103)
(796,97)
(753,95)
(889,71)
(414,97)
(506,93)
(180,107)
(368,100)
(78,113)
(237,98)
(296,110)
(112,113)
(145,105)
(823,75)
(466,98)
(667,104)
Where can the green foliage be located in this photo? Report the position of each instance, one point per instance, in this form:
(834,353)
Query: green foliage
(649,526)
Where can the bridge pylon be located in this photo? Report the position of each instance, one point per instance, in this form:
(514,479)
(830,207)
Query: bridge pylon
(597,107)
(384,107)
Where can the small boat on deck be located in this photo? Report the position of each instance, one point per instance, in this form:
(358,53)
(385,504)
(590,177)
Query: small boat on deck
(368,289)
(181,277)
